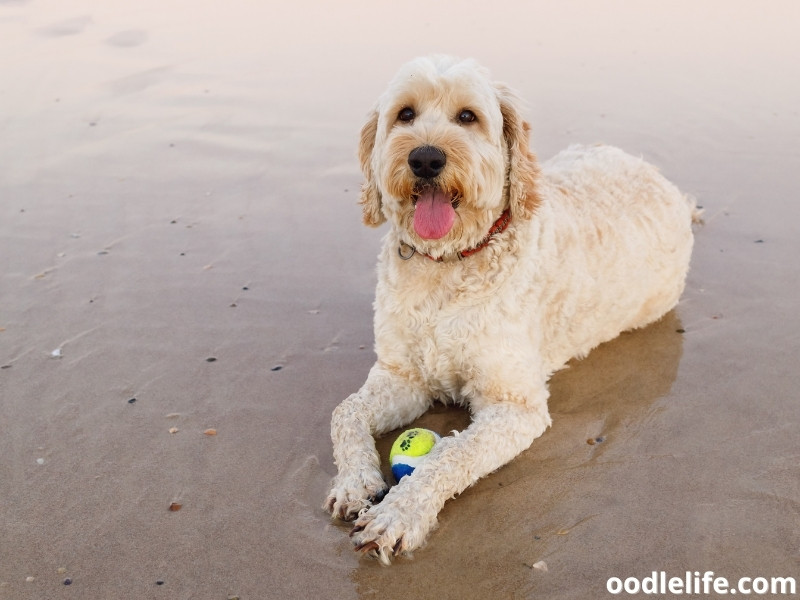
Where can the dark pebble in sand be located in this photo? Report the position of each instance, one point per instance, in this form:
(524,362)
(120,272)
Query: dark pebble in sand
(160,582)
(276,368)
(245,288)
(680,331)
(132,400)
(211,359)
(68,581)
(600,439)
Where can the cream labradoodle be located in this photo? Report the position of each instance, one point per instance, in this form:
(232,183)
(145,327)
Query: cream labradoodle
(494,273)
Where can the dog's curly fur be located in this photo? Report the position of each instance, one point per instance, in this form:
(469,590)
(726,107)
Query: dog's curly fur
(598,243)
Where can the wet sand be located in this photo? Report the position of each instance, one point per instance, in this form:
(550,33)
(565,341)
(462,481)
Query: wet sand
(179,184)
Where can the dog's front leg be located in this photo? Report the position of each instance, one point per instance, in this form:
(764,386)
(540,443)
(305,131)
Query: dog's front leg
(386,401)
(402,522)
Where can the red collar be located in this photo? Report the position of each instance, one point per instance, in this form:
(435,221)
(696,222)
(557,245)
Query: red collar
(499,227)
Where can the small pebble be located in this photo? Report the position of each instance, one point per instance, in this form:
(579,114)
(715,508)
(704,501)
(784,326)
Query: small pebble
(175,506)
(276,368)
(600,439)
(174,430)
(590,441)
(132,400)
(61,570)
(540,566)
(210,432)
(30,579)
(160,582)
(39,461)
(68,581)
(211,359)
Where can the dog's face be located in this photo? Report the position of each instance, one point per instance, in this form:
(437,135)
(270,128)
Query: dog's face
(444,153)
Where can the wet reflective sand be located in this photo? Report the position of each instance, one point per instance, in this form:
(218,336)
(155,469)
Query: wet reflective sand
(178,183)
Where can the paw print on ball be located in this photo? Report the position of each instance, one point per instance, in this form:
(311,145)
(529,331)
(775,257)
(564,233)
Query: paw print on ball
(405,445)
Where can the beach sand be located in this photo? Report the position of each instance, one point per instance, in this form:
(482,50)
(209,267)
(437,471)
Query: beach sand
(181,250)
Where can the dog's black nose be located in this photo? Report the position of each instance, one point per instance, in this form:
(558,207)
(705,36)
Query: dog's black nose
(426,161)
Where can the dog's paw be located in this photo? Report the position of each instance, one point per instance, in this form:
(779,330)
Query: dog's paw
(391,529)
(351,496)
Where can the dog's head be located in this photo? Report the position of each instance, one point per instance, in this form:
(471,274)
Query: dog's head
(444,153)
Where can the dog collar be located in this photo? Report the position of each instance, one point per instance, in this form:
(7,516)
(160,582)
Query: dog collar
(406,251)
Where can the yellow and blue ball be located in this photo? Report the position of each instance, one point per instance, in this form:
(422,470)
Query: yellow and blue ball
(410,449)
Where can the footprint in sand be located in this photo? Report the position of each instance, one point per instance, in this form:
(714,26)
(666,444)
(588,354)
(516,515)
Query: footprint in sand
(72,26)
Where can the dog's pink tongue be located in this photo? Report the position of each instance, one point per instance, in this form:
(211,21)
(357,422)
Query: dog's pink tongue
(434,215)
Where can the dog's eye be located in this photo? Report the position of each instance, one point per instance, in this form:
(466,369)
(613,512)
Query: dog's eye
(407,114)
(467,116)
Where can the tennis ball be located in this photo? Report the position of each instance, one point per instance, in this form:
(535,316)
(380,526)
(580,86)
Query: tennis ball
(410,449)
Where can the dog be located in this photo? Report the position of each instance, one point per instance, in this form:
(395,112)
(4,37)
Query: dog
(494,273)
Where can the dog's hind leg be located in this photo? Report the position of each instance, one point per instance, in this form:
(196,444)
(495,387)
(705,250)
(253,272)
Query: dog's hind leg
(386,401)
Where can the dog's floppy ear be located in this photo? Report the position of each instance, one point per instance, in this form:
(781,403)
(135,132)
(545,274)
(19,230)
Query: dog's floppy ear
(523,170)
(370,196)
